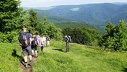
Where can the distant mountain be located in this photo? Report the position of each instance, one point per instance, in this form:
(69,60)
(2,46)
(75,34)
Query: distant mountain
(98,14)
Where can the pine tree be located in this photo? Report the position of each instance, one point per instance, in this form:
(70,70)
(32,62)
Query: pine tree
(115,37)
(107,38)
(49,28)
(10,15)
(33,20)
(120,36)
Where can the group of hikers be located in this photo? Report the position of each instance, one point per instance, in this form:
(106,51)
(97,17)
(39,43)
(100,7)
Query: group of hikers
(29,45)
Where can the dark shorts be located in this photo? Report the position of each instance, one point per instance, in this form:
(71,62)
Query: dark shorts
(27,50)
(34,47)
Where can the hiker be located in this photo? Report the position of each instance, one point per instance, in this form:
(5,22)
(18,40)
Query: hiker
(47,40)
(44,40)
(40,43)
(67,40)
(34,45)
(24,40)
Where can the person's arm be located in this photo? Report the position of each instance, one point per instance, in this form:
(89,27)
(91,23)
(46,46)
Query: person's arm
(29,38)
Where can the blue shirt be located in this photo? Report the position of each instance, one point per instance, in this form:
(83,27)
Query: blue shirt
(28,36)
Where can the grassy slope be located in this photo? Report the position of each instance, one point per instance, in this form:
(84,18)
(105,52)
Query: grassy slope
(79,59)
(9,62)
(54,59)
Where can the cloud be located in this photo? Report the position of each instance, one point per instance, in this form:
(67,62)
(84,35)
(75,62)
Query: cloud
(45,3)
(35,3)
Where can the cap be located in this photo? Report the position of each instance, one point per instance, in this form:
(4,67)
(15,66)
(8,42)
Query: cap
(24,27)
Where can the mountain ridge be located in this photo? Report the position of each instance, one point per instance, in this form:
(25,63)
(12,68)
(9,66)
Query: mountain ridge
(98,14)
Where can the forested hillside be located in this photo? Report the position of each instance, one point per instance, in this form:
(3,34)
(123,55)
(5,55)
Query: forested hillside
(98,14)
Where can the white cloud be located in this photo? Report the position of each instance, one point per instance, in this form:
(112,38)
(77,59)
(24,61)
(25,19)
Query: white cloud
(45,3)
(33,3)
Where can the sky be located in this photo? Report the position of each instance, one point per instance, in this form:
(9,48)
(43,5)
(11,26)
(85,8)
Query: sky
(47,3)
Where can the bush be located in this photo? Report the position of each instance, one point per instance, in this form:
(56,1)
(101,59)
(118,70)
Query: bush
(9,37)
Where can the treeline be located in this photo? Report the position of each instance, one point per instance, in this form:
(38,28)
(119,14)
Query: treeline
(13,18)
(87,36)
(115,37)
(73,24)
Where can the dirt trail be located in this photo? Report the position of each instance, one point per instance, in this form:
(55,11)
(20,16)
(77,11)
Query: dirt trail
(29,69)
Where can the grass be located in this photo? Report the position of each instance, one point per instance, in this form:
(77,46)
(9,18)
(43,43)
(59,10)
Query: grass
(79,59)
(54,59)
(10,56)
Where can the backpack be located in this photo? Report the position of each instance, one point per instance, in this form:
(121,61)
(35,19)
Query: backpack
(48,38)
(22,39)
(68,39)
(34,41)
(39,42)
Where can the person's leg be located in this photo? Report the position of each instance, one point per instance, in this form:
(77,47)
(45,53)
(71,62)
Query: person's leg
(32,51)
(48,44)
(41,48)
(67,47)
(29,52)
(36,51)
(24,54)
(45,43)
(25,57)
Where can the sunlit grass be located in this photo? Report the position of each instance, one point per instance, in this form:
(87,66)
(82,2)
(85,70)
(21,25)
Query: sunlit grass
(9,61)
(54,59)
(79,59)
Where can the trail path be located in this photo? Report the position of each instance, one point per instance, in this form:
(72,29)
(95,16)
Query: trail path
(29,69)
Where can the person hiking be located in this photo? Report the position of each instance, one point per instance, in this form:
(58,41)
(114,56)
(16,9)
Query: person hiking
(34,45)
(44,40)
(40,43)
(24,40)
(67,40)
(47,40)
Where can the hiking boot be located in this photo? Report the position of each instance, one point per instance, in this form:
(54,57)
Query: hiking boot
(35,56)
(31,62)
(26,65)
(32,55)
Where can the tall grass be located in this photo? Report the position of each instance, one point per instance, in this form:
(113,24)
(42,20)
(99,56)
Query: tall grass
(10,57)
(54,59)
(79,59)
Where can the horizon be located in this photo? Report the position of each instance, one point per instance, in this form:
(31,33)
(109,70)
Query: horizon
(50,3)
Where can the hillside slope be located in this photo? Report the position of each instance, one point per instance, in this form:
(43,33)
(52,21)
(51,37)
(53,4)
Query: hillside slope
(98,14)
(80,59)
(54,59)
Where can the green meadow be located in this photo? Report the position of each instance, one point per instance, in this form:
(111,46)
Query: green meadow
(81,58)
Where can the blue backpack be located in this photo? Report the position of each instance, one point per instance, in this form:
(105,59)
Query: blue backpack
(22,39)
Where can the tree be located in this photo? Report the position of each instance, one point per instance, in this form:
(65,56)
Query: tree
(120,36)
(107,39)
(49,28)
(33,20)
(67,31)
(10,15)
(115,37)
(11,19)
(109,28)
(84,35)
